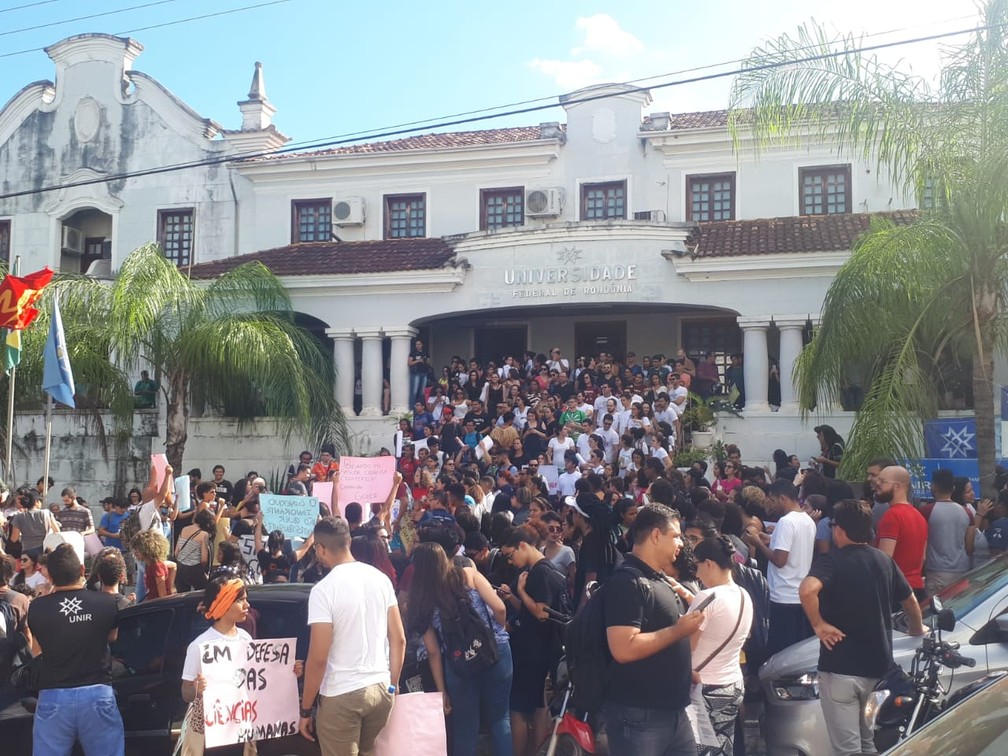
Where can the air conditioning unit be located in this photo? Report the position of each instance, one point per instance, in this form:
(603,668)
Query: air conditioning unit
(651,216)
(348,211)
(73,241)
(541,203)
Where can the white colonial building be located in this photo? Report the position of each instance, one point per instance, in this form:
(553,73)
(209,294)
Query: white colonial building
(618,229)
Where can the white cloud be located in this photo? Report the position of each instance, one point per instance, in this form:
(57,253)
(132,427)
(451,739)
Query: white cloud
(604,35)
(569,74)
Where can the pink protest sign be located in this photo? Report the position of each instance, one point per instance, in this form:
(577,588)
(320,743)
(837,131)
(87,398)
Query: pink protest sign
(364,480)
(251,691)
(160,462)
(416,727)
(323,492)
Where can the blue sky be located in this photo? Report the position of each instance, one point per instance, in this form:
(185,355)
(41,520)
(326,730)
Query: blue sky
(333,68)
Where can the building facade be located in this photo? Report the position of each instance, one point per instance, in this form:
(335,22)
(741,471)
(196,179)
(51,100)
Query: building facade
(616,230)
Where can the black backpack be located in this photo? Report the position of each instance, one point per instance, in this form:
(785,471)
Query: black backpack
(587,647)
(468,638)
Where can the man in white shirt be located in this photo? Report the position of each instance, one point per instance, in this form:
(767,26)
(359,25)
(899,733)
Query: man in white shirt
(567,479)
(951,535)
(602,404)
(789,554)
(556,362)
(350,612)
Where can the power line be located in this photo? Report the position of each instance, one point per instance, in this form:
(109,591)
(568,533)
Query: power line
(86,18)
(165,23)
(239,157)
(29,5)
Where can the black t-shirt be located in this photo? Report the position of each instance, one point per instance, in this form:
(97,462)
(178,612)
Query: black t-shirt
(596,555)
(662,680)
(224,489)
(530,637)
(72,629)
(421,366)
(276,568)
(860,586)
(480,421)
(565,391)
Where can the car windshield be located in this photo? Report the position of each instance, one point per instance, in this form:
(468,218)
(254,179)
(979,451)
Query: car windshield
(965,595)
(976,727)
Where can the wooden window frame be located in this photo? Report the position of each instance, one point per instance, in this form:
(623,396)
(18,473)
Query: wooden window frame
(163,216)
(387,219)
(297,205)
(710,177)
(507,191)
(589,186)
(825,170)
(5,234)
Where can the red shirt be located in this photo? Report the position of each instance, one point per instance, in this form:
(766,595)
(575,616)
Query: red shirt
(905,525)
(322,473)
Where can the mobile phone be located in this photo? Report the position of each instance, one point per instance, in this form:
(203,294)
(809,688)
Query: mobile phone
(703,604)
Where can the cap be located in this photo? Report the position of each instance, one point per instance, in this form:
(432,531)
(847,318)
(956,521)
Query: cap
(571,502)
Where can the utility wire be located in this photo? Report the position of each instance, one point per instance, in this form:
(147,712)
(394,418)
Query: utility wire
(9,32)
(239,157)
(29,5)
(163,24)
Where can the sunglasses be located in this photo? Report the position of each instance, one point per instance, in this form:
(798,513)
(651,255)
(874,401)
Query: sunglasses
(555,529)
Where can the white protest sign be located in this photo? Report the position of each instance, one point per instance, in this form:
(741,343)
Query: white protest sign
(551,476)
(183,494)
(418,445)
(483,447)
(247,545)
(323,491)
(294,515)
(398,443)
(251,691)
(364,480)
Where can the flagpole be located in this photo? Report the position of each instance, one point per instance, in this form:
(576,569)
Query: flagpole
(48,445)
(9,467)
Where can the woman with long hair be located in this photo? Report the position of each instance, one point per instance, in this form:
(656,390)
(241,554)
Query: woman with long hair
(194,550)
(370,549)
(29,573)
(151,548)
(723,632)
(726,483)
(438,589)
(831,445)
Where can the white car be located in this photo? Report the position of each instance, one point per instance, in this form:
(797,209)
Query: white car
(792,721)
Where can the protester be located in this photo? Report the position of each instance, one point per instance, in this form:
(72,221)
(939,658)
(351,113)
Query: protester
(848,597)
(902,532)
(71,629)
(353,678)
(150,548)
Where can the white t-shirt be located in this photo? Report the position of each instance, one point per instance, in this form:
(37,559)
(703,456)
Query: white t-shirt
(677,393)
(193,666)
(566,481)
(559,447)
(720,617)
(601,402)
(795,534)
(354,598)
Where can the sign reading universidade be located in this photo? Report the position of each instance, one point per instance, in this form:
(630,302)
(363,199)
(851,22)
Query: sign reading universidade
(570,280)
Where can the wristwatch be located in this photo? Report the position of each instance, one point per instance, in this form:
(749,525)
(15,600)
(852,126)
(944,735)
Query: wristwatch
(306,713)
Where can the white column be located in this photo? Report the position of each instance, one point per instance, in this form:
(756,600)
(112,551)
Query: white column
(756,362)
(371,372)
(792,328)
(399,376)
(343,361)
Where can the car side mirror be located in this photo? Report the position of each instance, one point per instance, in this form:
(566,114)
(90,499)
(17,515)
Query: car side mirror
(946,620)
(1001,623)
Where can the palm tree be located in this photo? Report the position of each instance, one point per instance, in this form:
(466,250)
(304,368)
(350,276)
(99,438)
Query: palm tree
(913,298)
(233,341)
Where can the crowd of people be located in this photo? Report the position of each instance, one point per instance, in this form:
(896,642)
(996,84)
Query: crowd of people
(518,489)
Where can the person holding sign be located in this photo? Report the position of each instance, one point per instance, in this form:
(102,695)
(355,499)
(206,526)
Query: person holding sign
(225,601)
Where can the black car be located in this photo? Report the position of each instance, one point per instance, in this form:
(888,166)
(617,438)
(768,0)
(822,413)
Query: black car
(147,661)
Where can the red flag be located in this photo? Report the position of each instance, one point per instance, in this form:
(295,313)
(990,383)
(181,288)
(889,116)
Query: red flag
(18,294)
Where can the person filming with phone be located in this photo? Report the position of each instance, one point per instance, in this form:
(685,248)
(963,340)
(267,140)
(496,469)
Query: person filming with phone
(649,680)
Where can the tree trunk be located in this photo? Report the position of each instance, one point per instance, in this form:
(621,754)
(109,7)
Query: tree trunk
(177,422)
(983,410)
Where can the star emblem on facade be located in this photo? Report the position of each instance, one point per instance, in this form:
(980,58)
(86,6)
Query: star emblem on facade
(958,443)
(70,606)
(569,254)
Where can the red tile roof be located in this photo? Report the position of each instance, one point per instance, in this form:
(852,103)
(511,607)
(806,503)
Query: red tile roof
(430,142)
(330,258)
(706,119)
(806,233)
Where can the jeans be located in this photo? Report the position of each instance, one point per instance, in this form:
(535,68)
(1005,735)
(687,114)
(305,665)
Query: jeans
(141,589)
(417,384)
(648,732)
(491,688)
(788,625)
(843,698)
(88,715)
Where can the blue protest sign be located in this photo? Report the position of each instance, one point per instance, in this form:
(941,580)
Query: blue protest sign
(294,515)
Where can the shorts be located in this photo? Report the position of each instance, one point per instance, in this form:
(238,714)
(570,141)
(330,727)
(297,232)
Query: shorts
(528,684)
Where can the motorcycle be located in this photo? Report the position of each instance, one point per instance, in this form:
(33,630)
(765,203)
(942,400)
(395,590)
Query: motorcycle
(905,702)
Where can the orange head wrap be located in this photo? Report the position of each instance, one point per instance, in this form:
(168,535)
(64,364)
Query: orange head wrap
(226,597)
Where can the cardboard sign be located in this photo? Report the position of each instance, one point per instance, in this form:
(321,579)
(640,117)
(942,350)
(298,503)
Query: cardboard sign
(364,480)
(551,476)
(247,545)
(323,491)
(160,462)
(294,515)
(251,691)
(416,726)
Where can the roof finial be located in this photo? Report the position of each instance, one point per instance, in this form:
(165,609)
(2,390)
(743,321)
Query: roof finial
(258,90)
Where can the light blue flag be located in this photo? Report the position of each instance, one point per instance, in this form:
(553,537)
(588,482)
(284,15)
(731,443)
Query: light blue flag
(57,377)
